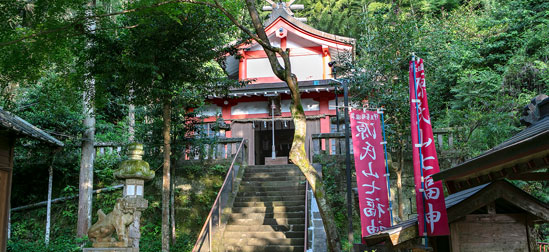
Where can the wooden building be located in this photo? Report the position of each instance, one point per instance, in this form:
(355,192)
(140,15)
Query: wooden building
(496,216)
(486,212)
(11,128)
(248,109)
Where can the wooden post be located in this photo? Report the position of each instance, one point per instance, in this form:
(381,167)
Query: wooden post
(210,234)
(131,118)
(85,188)
(532,242)
(440,140)
(316,144)
(9,224)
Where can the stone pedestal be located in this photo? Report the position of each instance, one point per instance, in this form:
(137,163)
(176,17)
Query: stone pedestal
(111,250)
(123,221)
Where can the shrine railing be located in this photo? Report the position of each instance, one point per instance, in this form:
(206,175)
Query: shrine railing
(214,221)
(334,143)
(543,246)
(102,148)
(211,148)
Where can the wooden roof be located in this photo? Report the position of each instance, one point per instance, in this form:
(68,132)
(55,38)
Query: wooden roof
(280,18)
(466,202)
(515,158)
(262,89)
(19,126)
(281,13)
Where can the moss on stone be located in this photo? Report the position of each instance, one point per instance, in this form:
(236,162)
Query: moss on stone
(136,169)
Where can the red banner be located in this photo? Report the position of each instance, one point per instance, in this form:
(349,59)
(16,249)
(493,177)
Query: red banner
(370,171)
(429,194)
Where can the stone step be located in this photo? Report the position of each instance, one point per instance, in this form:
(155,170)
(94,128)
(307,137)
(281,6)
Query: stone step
(267,221)
(263,241)
(264,228)
(268,248)
(281,179)
(288,189)
(263,235)
(262,216)
(269,203)
(268,213)
(276,209)
(282,184)
(273,166)
(270,198)
(294,170)
(287,171)
(251,193)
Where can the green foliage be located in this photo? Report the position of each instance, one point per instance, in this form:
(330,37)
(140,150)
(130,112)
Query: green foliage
(333,175)
(480,60)
(28,229)
(334,16)
(484,60)
(201,182)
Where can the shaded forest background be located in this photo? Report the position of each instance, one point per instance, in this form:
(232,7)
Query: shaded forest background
(484,61)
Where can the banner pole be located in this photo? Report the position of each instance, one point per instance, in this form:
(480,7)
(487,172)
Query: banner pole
(420,156)
(386,165)
(348,163)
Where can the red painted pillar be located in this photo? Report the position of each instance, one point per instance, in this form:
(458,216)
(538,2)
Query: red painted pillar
(326,58)
(242,75)
(226,115)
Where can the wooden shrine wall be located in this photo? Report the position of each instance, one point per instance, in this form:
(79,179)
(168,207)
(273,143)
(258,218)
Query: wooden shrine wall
(6,166)
(313,127)
(246,131)
(489,232)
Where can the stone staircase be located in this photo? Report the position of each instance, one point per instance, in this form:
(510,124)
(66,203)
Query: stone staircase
(268,213)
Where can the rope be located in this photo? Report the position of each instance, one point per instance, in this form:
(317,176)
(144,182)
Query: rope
(420,156)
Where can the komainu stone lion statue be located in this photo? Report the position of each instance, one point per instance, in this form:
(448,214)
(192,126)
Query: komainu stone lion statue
(118,220)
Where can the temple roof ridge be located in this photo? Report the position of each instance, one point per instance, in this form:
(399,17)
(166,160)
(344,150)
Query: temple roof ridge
(282,13)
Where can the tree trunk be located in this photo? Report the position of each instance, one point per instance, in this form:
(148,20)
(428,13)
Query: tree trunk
(86,165)
(172,206)
(48,208)
(86,171)
(299,157)
(298,154)
(399,185)
(86,168)
(85,189)
(131,119)
(166,117)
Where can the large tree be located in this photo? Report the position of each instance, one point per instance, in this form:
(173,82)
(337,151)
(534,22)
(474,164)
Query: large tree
(298,155)
(165,59)
(32,48)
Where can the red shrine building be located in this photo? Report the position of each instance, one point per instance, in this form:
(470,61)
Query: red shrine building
(248,110)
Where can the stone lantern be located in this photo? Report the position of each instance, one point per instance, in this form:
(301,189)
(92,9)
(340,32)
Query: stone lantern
(124,220)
